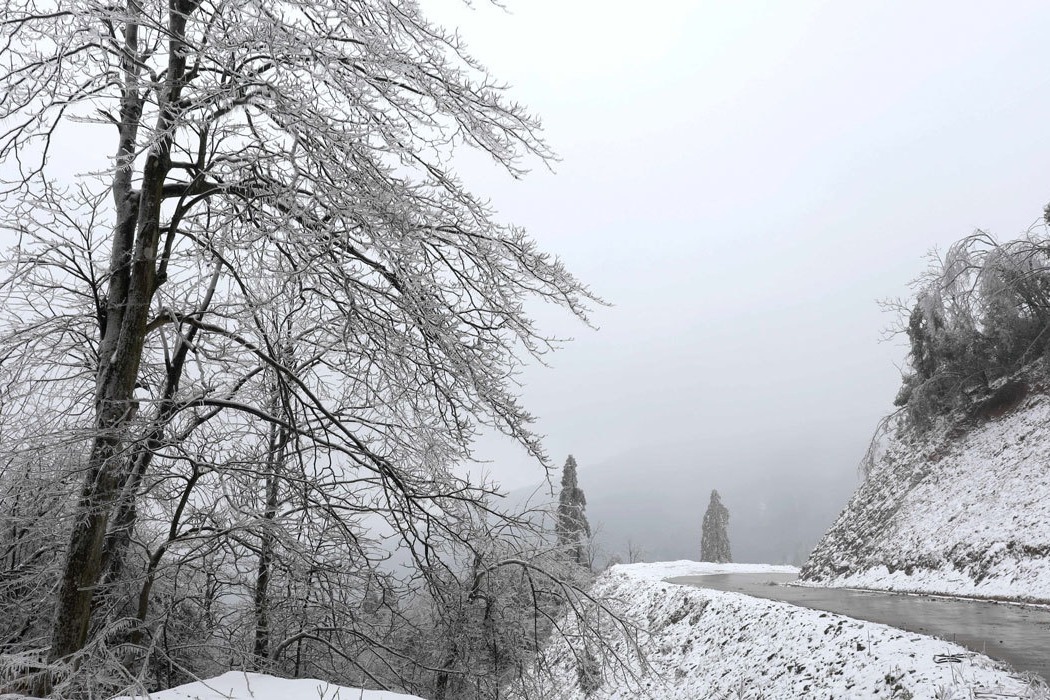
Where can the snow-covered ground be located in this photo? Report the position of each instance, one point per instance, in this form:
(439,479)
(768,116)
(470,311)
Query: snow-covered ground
(960,511)
(710,644)
(238,685)
(660,570)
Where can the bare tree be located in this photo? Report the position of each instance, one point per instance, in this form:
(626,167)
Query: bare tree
(267,154)
(635,552)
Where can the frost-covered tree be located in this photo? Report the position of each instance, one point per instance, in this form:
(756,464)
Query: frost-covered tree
(574,531)
(714,541)
(265,322)
(980,312)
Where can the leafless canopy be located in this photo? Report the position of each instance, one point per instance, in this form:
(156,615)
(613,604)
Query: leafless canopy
(261,334)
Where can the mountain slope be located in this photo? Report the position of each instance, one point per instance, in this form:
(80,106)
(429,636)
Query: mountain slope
(963,510)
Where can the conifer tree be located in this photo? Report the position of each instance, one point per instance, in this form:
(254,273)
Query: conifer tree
(714,542)
(573,529)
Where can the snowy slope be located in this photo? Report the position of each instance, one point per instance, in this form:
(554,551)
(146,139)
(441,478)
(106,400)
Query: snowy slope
(237,685)
(964,511)
(711,644)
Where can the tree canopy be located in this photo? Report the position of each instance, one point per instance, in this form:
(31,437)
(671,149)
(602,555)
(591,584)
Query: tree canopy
(246,357)
(980,313)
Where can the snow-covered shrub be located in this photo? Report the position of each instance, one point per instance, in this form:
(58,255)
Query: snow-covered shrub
(980,313)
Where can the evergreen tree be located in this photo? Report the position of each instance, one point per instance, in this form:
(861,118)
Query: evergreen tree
(573,529)
(714,543)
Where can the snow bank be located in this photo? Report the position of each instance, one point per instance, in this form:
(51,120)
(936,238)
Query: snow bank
(712,644)
(237,685)
(658,571)
(964,511)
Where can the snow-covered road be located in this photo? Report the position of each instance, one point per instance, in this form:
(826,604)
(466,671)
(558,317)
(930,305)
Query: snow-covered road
(1018,635)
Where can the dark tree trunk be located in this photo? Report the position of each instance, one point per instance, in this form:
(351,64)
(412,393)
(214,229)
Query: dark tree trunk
(275,459)
(121,352)
(133,282)
(123,521)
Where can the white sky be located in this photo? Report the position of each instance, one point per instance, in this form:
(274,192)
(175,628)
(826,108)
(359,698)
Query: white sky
(743,180)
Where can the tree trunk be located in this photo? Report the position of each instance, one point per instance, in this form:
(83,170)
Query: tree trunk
(275,459)
(123,520)
(121,352)
(133,282)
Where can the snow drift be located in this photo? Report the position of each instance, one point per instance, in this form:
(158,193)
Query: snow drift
(963,510)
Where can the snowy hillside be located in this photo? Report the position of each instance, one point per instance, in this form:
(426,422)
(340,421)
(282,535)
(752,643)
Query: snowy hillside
(709,644)
(963,511)
(237,685)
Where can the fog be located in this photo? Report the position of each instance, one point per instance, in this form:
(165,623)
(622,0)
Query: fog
(648,504)
(742,182)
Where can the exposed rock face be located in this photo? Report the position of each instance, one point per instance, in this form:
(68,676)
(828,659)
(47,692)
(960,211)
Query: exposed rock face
(961,510)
